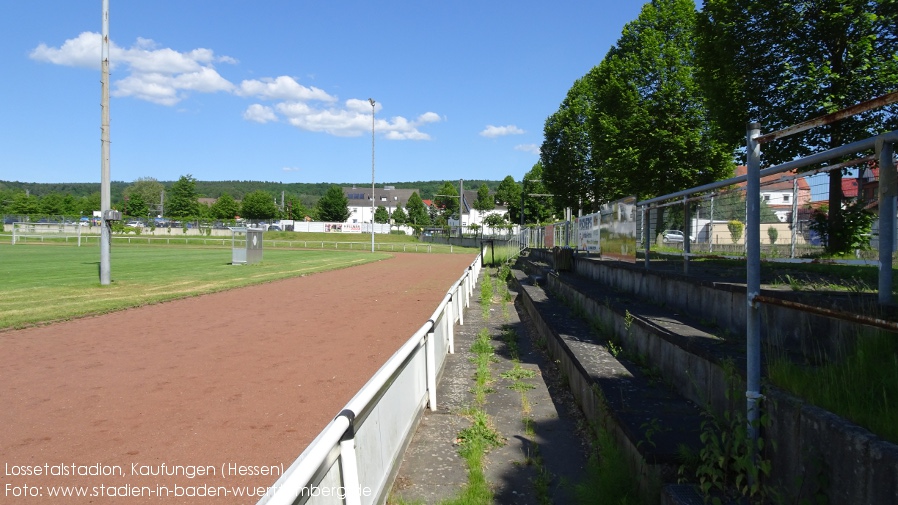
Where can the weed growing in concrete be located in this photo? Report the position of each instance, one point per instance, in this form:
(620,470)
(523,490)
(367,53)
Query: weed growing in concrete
(731,465)
(476,440)
(607,474)
(486,295)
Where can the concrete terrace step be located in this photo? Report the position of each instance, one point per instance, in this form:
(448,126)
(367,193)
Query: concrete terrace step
(651,420)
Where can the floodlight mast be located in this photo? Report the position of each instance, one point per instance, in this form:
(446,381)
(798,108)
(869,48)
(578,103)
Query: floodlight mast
(371,101)
(105,197)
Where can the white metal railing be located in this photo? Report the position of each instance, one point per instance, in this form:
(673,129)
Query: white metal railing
(354,458)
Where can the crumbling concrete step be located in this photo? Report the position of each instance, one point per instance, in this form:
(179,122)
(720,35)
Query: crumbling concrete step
(650,420)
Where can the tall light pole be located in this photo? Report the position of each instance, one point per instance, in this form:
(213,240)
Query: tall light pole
(105,200)
(371,101)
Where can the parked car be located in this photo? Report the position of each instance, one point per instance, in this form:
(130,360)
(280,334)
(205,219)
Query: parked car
(274,227)
(674,236)
(134,224)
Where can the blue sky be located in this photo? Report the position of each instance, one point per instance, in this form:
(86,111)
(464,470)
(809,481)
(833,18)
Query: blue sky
(277,90)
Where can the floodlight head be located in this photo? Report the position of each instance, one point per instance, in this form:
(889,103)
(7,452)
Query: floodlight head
(371,101)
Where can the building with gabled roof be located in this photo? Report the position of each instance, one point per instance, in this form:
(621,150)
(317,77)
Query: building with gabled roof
(777,192)
(360,199)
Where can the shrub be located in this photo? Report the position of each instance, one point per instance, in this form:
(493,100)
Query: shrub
(772,233)
(735,228)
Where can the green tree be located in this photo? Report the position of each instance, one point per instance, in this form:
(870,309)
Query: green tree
(333,207)
(295,209)
(54,204)
(183,199)
(150,191)
(399,215)
(136,206)
(485,201)
(494,221)
(446,201)
(25,204)
(649,126)
(781,63)
(381,215)
(508,194)
(225,207)
(258,205)
(538,203)
(565,154)
(417,212)
(88,204)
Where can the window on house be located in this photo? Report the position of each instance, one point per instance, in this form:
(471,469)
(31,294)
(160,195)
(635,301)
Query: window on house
(766,198)
(786,198)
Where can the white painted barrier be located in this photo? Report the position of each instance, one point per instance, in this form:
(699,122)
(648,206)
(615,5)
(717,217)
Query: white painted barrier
(354,459)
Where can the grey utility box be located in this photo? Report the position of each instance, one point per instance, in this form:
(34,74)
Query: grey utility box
(246,246)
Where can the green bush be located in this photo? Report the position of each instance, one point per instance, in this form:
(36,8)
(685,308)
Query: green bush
(735,228)
(772,233)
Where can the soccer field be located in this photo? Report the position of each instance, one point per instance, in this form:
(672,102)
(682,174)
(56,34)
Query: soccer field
(43,283)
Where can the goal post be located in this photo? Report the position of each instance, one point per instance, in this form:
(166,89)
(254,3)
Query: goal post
(24,232)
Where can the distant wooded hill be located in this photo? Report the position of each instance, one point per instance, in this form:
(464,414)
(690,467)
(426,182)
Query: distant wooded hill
(237,189)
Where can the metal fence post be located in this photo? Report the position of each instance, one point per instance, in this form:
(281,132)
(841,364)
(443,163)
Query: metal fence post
(646,225)
(687,246)
(711,228)
(431,369)
(753,278)
(794,217)
(888,189)
(450,323)
(349,466)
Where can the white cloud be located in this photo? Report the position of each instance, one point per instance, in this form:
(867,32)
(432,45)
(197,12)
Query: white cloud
(429,117)
(353,120)
(156,75)
(282,88)
(82,51)
(291,169)
(259,114)
(528,148)
(499,131)
(166,76)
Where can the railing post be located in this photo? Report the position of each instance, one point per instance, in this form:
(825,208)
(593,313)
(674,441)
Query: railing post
(888,189)
(431,370)
(449,317)
(687,246)
(794,217)
(349,466)
(753,278)
(460,296)
(646,230)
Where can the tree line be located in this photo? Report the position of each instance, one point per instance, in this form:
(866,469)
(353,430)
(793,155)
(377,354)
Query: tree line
(147,198)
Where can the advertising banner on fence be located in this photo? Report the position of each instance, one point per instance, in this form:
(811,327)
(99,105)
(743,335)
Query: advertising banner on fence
(588,233)
(550,236)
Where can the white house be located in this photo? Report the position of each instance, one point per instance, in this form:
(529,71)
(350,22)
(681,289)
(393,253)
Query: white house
(470,215)
(360,200)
